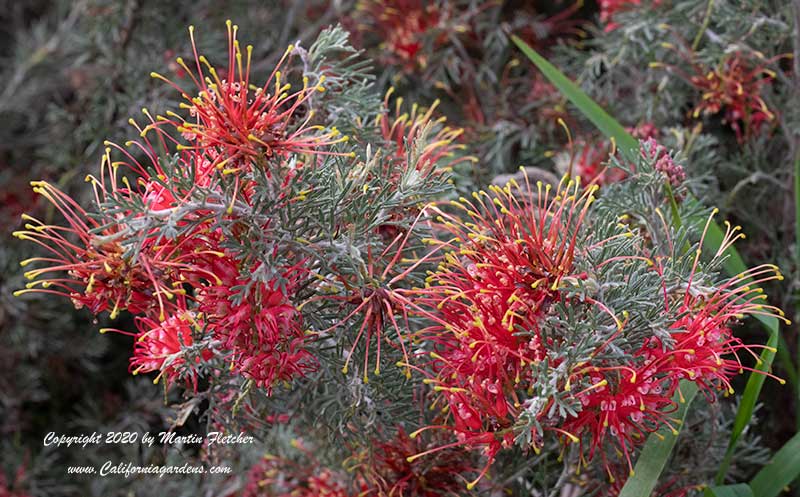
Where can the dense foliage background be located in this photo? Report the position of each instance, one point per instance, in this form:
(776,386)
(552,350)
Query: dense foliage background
(715,80)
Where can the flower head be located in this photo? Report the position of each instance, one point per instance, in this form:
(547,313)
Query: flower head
(103,265)
(419,141)
(395,468)
(405,25)
(624,402)
(245,122)
(705,350)
(735,88)
(502,270)
(260,327)
(161,346)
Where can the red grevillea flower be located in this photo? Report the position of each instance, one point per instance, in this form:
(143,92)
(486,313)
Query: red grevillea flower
(626,402)
(404,26)
(102,269)
(407,130)
(395,467)
(420,149)
(735,88)
(245,122)
(705,350)
(500,274)
(262,329)
(623,403)
(161,346)
(609,8)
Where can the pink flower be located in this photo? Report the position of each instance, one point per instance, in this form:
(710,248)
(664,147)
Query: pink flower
(161,346)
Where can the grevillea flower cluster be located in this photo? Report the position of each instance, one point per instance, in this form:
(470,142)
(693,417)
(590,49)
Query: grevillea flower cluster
(610,8)
(403,129)
(735,88)
(276,268)
(405,27)
(517,258)
(180,282)
(504,268)
(397,467)
(244,121)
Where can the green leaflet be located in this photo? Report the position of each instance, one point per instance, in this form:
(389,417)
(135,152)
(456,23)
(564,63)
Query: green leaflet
(738,490)
(653,459)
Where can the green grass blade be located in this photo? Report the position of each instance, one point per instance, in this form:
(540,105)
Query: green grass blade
(786,363)
(599,117)
(738,490)
(733,264)
(656,451)
(782,470)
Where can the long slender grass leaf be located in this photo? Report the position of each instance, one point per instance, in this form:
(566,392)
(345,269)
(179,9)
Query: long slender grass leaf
(782,470)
